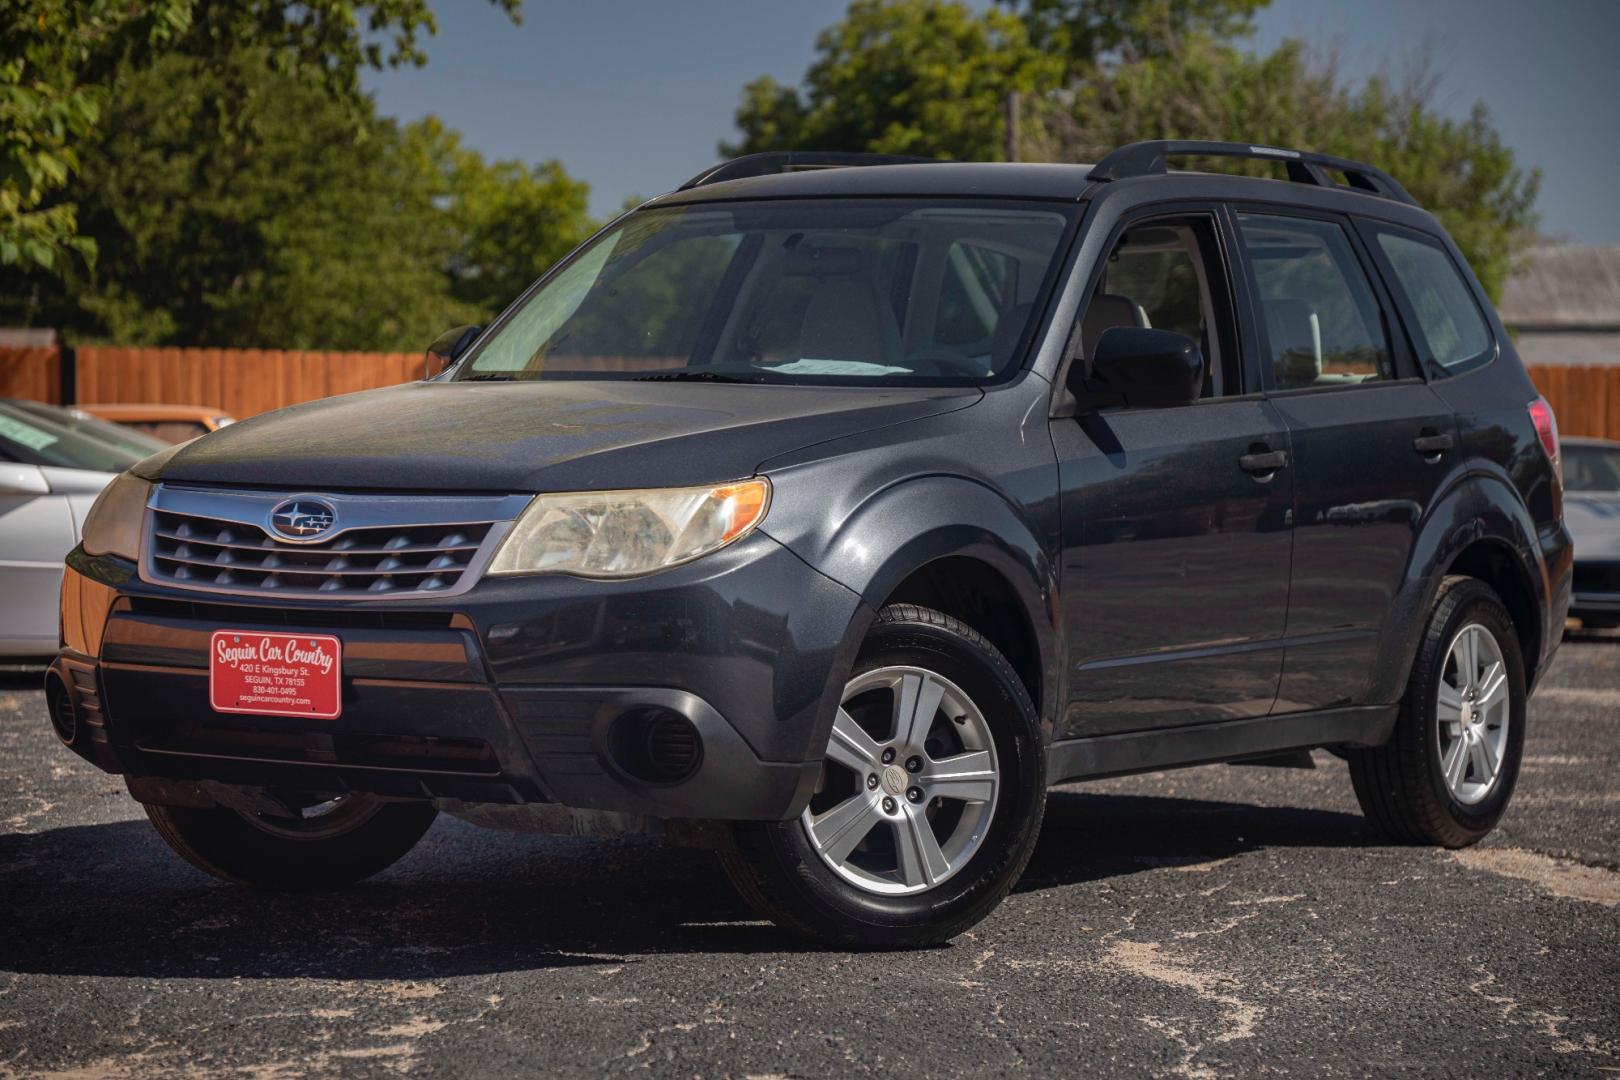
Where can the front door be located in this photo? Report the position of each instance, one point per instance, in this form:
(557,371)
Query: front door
(1176,521)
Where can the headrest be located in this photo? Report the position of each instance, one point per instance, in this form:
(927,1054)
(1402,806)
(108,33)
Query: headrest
(845,320)
(1106,311)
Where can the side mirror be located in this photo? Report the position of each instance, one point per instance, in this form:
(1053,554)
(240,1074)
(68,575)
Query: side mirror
(1145,367)
(448,347)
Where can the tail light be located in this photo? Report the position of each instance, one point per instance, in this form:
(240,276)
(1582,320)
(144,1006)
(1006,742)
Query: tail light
(1541,415)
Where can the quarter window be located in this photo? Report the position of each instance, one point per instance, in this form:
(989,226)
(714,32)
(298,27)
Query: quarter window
(1321,319)
(1451,329)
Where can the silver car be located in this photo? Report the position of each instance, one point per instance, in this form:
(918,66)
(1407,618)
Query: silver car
(1592,511)
(53,464)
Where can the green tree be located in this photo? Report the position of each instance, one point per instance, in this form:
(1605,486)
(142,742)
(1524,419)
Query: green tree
(901,76)
(293,232)
(59,59)
(1087,33)
(931,77)
(507,221)
(1458,168)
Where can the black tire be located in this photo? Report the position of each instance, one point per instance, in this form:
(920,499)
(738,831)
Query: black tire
(778,871)
(227,844)
(1400,785)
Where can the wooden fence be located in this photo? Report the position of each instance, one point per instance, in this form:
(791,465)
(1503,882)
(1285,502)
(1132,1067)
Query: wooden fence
(243,382)
(1586,400)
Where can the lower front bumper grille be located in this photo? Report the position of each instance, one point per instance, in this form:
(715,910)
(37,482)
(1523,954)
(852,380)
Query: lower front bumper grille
(363,750)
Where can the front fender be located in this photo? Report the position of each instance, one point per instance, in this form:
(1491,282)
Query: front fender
(874,545)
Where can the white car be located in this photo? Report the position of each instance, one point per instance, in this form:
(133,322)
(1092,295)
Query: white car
(1592,511)
(53,464)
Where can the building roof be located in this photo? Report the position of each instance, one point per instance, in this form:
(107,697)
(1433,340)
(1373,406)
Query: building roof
(1565,287)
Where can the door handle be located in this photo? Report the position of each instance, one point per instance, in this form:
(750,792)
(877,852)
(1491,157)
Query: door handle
(1265,463)
(1431,446)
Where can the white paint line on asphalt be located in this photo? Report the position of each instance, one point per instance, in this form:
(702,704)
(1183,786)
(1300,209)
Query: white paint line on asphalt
(1578,695)
(1561,877)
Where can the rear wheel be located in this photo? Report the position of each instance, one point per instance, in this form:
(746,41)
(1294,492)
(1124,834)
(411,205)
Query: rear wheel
(1448,771)
(930,798)
(321,844)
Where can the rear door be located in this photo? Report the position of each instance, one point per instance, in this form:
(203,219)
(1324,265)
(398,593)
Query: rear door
(1373,446)
(1175,521)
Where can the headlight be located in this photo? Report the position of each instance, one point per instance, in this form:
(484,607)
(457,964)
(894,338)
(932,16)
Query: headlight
(612,534)
(113,526)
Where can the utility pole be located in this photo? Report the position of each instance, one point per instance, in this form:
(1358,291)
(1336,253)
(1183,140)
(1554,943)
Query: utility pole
(1013,111)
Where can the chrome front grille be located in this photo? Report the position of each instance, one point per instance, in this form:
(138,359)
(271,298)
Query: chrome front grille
(378,545)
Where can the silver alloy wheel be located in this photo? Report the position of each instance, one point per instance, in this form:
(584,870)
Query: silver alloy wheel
(1473,710)
(901,813)
(318,821)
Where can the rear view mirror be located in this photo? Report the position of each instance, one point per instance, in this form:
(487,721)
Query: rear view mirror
(1145,367)
(448,347)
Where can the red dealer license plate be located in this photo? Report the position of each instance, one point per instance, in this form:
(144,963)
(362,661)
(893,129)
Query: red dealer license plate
(250,671)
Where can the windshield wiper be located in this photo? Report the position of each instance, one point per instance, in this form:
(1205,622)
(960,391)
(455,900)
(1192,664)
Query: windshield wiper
(698,376)
(489,376)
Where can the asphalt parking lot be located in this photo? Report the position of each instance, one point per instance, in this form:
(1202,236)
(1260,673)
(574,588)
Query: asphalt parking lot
(1206,923)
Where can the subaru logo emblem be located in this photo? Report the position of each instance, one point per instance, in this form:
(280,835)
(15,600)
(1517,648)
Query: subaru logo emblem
(302,520)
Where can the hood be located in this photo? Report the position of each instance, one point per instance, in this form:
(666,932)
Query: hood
(1594,521)
(539,436)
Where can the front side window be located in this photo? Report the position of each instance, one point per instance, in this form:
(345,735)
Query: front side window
(1452,331)
(1320,317)
(1166,274)
(837,290)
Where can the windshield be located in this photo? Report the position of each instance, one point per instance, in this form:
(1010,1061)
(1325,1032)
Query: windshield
(842,291)
(1592,468)
(34,436)
(101,430)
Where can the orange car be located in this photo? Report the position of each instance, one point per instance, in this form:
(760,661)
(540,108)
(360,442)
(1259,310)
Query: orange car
(172,423)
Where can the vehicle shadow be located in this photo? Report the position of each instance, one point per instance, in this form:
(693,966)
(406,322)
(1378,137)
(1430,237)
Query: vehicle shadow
(14,677)
(111,899)
(1089,837)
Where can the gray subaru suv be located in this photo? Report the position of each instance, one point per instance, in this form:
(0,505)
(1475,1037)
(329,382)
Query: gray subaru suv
(826,510)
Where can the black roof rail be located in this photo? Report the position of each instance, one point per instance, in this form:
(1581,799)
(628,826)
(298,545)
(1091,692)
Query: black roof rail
(780,161)
(1151,159)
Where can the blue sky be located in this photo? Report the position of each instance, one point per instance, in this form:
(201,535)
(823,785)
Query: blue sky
(633,95)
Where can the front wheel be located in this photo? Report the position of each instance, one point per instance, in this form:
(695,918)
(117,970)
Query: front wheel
(1448,770)
(331,842)
(930,797)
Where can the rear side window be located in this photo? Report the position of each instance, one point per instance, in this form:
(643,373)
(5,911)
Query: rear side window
(1451,330)
(1321,318)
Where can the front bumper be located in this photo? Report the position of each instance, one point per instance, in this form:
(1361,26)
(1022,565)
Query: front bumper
(507,693)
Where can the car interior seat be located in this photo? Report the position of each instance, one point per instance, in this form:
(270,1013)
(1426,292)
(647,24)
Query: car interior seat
(846,317)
